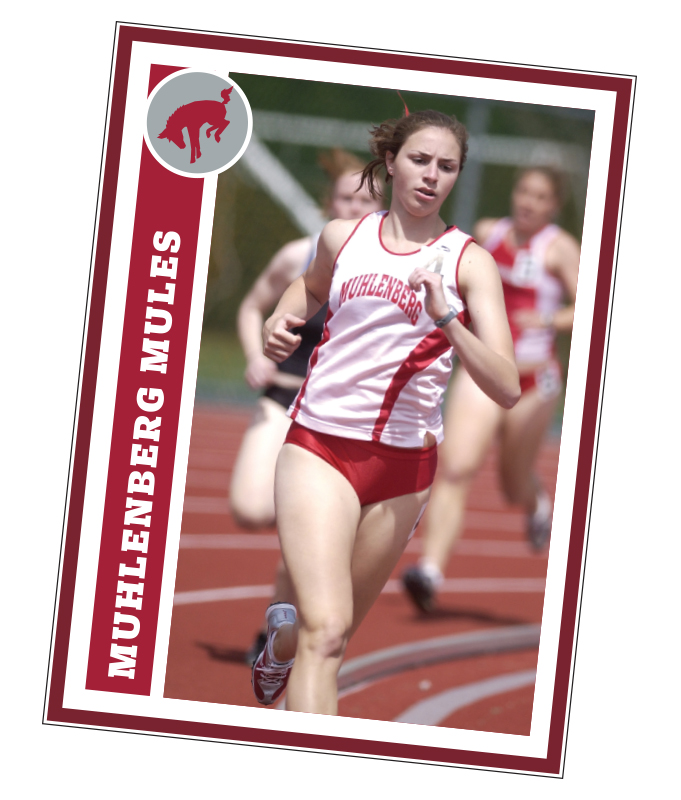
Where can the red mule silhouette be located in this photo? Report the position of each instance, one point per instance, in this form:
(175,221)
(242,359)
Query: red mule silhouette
(192,117)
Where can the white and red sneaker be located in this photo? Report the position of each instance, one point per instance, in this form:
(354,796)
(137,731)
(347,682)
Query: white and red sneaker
(269,676)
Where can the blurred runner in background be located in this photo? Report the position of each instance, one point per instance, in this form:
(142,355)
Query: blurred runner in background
(538,263)
(252,486)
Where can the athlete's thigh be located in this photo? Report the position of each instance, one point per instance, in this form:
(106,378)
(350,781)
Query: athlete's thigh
(382,536)
(523,430)
(253,472)
(471,422)
(317,516)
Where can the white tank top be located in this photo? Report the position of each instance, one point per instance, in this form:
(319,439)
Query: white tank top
(381,368)
(527,284)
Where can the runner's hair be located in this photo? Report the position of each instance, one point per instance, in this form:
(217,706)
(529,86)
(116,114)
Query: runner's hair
(555,177)
(389,136)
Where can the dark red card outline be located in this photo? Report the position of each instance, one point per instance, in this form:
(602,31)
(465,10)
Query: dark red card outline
(623,88)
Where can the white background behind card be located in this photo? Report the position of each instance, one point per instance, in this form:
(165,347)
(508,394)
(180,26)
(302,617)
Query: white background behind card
(623,719)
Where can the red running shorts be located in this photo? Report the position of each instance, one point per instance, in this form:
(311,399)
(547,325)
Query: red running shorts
(375,471)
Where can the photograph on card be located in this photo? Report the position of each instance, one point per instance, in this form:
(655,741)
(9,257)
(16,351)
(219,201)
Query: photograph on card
(426,612)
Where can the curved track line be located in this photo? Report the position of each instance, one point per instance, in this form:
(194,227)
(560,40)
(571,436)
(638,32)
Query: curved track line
(381,663)
(449,586)
(359,673)
(440,706)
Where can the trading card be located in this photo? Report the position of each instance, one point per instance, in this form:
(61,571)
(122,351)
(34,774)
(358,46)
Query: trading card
(219,152)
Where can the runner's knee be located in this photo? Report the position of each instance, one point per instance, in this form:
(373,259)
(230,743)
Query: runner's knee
(456,471)
(325,636)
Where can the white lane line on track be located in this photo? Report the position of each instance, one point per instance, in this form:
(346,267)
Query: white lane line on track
(450,585)
(215,595)
(434,710)
(229,541)
(206,505)
(270,541)
(476,585)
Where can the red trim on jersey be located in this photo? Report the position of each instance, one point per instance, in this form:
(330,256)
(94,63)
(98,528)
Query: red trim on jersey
(518,298)
(426,351)
(312,362)
(348,239)
(527,382)
(456,274)
(413,252)
(494,236)
(510,250)
(504,254)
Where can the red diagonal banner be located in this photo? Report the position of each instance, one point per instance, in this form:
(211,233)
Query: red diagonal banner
(144,432)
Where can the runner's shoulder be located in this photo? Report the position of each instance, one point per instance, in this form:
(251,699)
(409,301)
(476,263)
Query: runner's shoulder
(335,234)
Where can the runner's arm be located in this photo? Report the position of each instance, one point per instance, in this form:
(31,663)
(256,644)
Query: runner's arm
(306,295)
(487,355)
(564,263)
(286,264)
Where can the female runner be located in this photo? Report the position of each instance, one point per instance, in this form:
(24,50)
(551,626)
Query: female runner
(252,484)
(538,263)
(354,475)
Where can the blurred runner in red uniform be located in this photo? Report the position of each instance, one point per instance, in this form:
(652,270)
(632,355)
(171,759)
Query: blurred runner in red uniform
(538,263)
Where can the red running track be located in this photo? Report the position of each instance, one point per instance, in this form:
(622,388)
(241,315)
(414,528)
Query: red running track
(468,665)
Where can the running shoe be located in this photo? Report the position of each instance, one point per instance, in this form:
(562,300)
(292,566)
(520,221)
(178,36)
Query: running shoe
(269,676)
(256,648)
(539,523)
(419,587)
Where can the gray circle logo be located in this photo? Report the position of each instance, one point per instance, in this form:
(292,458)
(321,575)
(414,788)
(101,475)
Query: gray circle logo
(198,123)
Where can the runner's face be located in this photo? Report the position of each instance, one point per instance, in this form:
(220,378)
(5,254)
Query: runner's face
(346,203)
(533,203)
(425,170)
